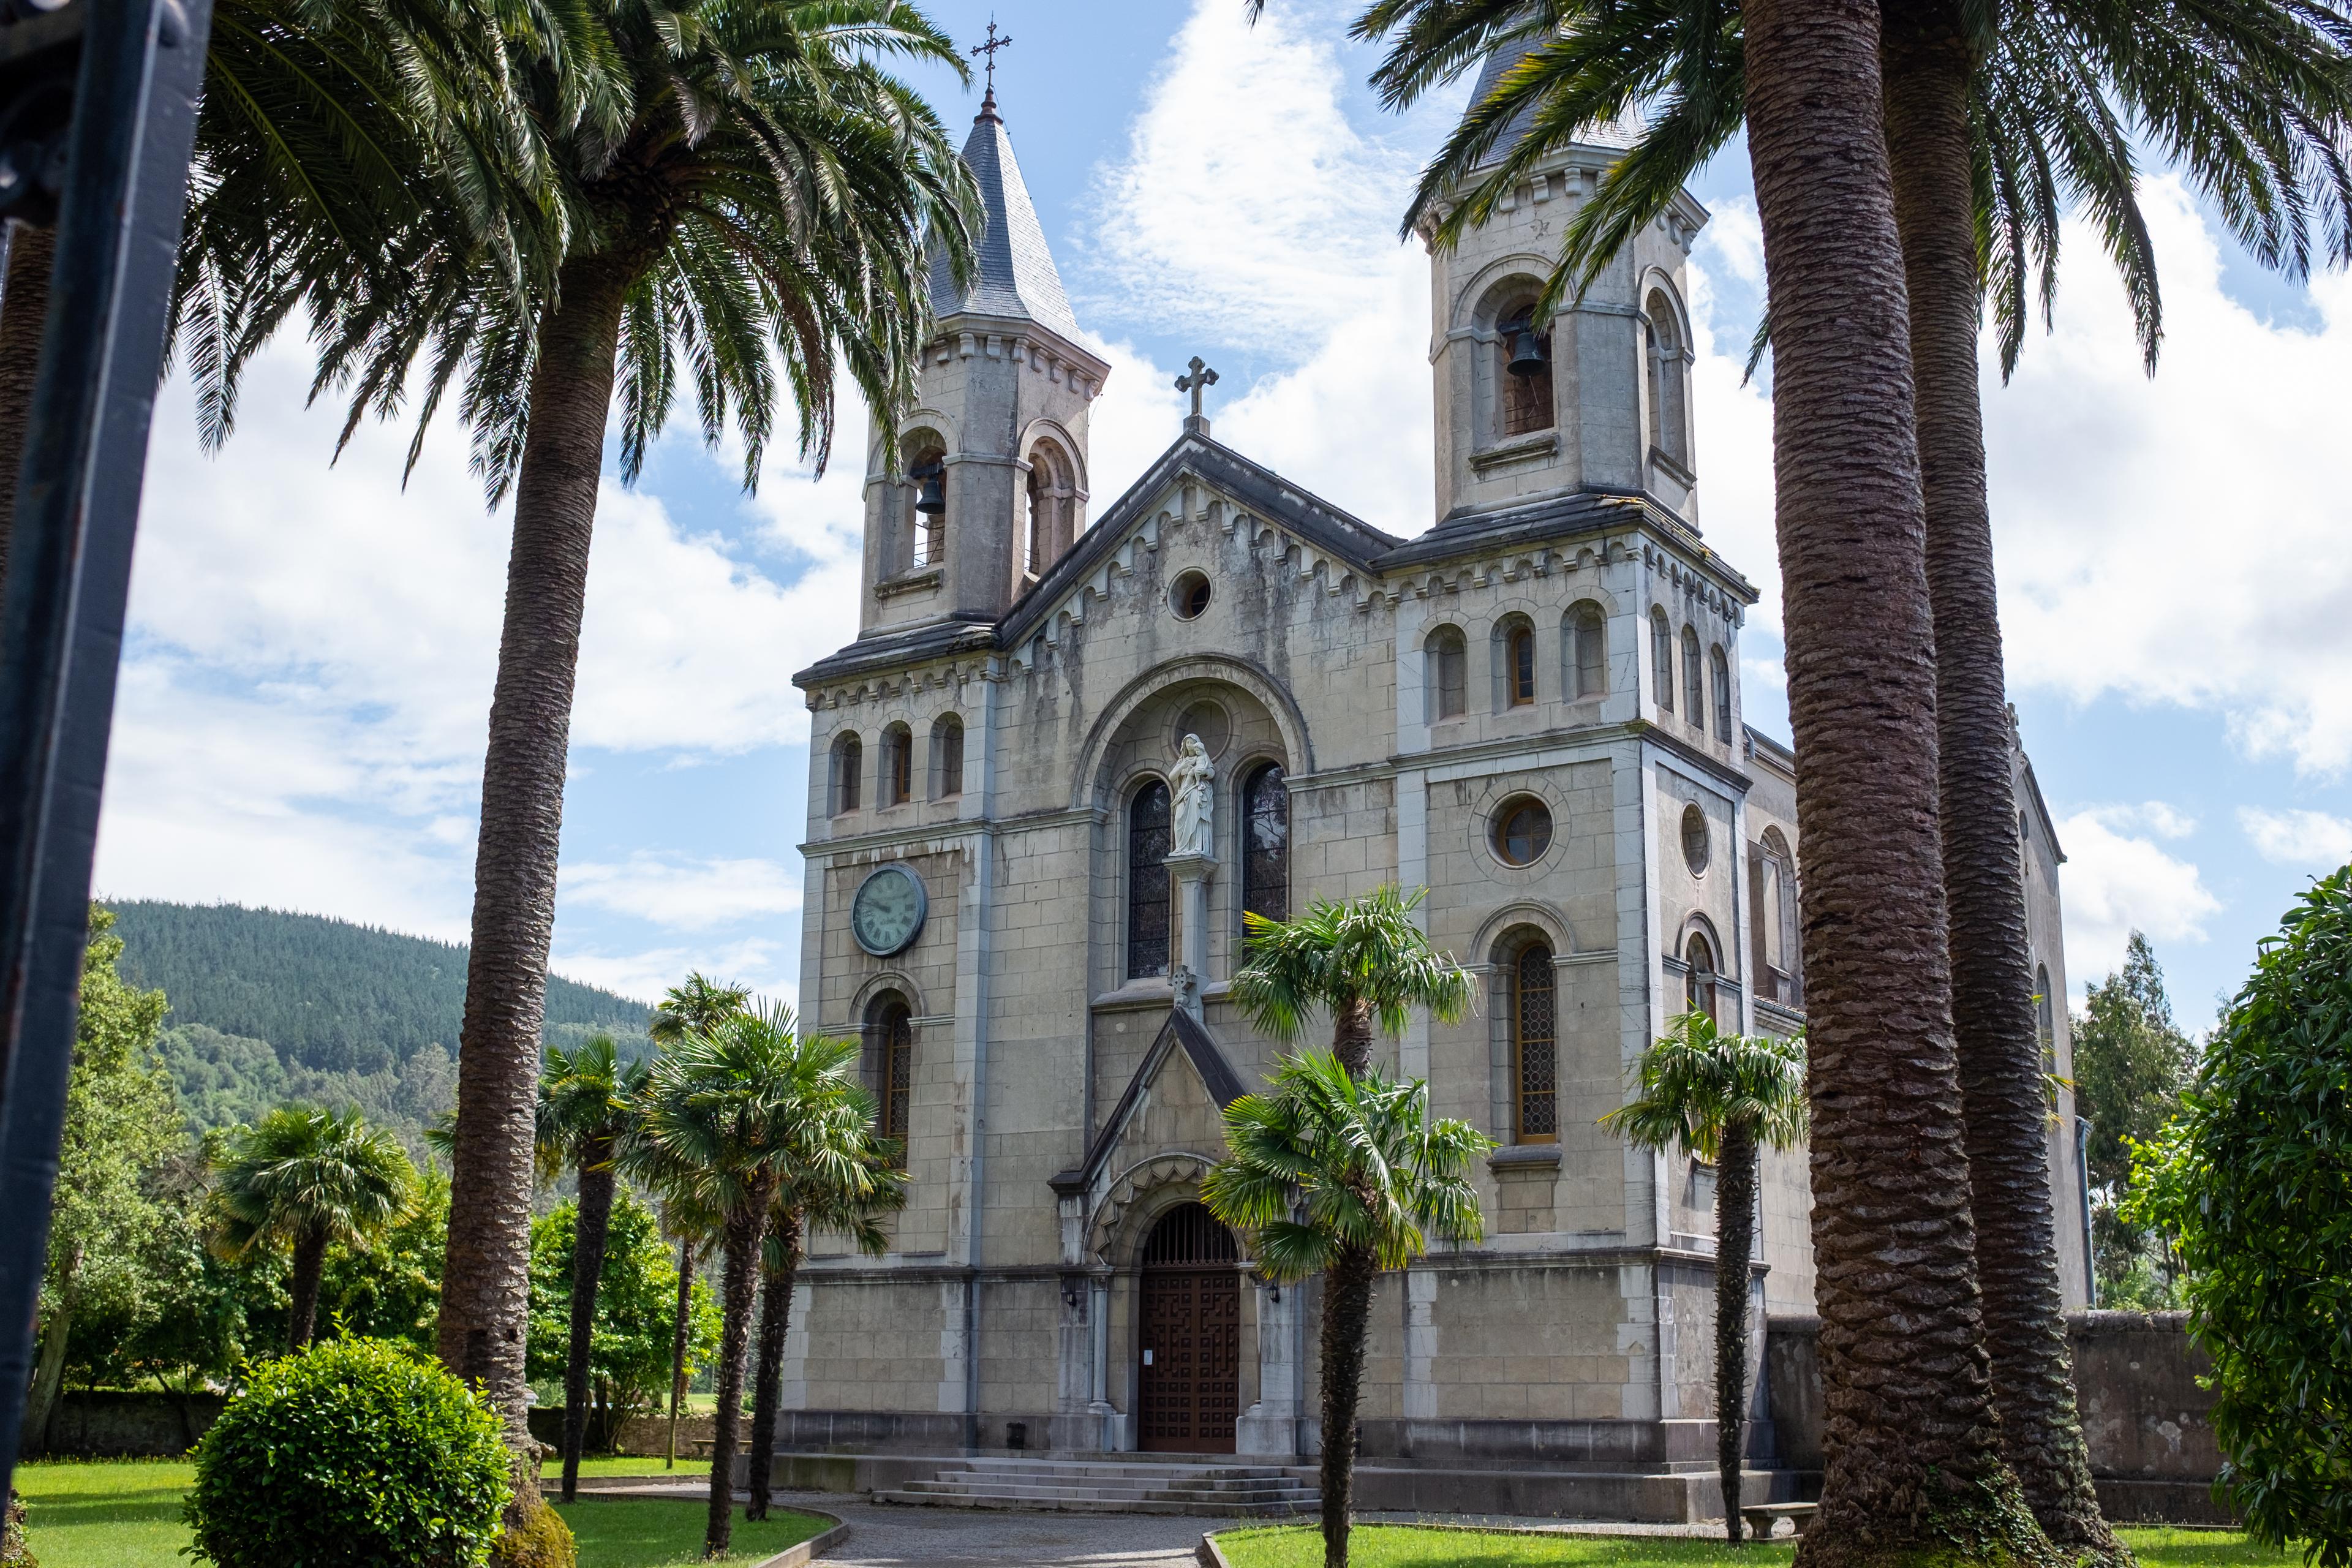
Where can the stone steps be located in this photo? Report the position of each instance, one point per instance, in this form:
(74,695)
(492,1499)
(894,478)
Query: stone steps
(1056,1486)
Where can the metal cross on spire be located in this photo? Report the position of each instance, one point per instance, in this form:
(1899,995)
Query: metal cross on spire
(1201,379)
(988,50)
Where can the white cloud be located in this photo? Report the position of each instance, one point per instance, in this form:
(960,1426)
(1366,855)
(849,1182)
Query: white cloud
(2305,839)
(2118,881)
(767,967)
(686,894)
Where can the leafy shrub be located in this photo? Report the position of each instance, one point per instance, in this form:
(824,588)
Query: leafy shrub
(357,1453)
(2254,1184)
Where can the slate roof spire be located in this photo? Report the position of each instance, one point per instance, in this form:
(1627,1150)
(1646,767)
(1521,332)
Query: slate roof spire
(1490,76)
(1015,273)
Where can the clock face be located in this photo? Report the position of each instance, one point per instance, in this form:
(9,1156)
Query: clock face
(887,915)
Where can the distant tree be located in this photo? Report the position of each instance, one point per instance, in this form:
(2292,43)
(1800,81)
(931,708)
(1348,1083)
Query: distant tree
(2132,1066)
(303,1179)
(1721,1098)
(1342,1174)
(2254,1181)
(388,1287)
(695,1008)
(1363,960)
(629,1353)
(122,1126)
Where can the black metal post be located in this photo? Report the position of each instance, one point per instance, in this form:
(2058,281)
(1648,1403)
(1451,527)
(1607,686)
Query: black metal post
(119,213)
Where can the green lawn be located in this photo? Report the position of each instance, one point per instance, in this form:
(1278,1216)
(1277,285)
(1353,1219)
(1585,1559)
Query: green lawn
(1403,1546)
(126,1514)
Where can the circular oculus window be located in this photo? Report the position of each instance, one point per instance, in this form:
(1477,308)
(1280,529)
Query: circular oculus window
(1208,720)
(1696,848)
(1522,831)
(1189,597)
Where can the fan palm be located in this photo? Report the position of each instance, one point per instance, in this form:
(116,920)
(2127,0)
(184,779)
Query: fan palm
(1722,1098)
(1997,118)
(1362,960)
(696,1007)
(587,1110)
(304,1179)
(738,1112)
(1339,1171)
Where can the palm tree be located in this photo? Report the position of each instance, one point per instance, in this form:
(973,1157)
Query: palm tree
(1988,136)
(849,1200)
(1340,1173)
(736,1112)
(587,1110)
(304,1179)
(696,1007)
(1721,1097)
(1363,959)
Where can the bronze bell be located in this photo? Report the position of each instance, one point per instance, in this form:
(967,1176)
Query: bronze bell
(930,489)
(1528,355)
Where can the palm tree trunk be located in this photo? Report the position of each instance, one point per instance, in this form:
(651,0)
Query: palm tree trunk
(743,1229)
(1734,1251)
(24,311)
(1351,1036)
(768,1392)
(1910,1437)
(302,1288)
(1347,1324)
(486,1286)
(678,1345)
(1929,67)
(593,1219)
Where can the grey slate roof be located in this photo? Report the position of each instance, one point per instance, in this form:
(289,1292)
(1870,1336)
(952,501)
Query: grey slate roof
(1017,277)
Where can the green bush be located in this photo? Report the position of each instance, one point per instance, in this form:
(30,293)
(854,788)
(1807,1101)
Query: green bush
(2253,1182)
(358,1454)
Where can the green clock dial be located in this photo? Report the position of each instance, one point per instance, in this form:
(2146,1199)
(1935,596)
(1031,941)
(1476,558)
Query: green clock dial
(887,915)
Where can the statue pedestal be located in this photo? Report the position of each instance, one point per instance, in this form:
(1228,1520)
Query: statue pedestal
(1192,970)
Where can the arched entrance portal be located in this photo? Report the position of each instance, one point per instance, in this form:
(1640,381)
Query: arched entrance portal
(1190,1375)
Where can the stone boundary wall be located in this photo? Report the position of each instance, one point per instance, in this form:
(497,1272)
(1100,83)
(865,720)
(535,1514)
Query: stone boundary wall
(2146,1422)
(109,1424)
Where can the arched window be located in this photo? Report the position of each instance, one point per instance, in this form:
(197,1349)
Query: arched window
(1515,663)
(1698,981)
(1694,682)
(1147,880)
(898,765)
(947,757)
(1720,668)
(848,770)
(1053,505)
(927,514)
(1522,373)
(1669,419)
(890,1060)
(1266,844)
(1535,1046)
(1446,673)
(1662,660)
(1584,637)
(1772,911)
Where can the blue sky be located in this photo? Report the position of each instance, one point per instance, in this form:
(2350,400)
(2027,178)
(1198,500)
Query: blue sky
(306,695)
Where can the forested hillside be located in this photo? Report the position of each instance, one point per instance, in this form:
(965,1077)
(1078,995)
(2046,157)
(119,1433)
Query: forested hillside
(269,1006)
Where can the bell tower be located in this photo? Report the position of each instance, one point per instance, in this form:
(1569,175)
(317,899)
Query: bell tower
(982,485)
(1593,397)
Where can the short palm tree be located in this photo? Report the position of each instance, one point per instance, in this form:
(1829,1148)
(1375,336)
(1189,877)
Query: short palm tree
(304,1179)
(1721,1098)
(1996,119)
(736,1113)
(1362,960)
(695,1008)
(1340,1173)
(587,1112)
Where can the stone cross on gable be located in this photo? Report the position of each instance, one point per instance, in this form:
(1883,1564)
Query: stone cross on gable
(1200,381)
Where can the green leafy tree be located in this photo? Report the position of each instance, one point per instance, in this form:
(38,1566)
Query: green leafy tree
(122,1127)
(1363,960)
(2254,1181)
(629,1353)
(1723,1098)
(388,1286)
(303,1179)
(587,1112)
(2132,1066)
(1341,1173)
(738,1112)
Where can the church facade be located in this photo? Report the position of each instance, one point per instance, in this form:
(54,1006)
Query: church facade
(1072,745)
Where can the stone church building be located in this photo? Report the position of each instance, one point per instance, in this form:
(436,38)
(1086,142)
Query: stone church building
(1533,708)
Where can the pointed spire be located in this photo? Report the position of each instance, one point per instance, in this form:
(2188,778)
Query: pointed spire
(1015,272)
(1499,65)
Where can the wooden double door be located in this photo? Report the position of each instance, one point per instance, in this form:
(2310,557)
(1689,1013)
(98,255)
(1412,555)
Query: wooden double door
(1192,1338)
